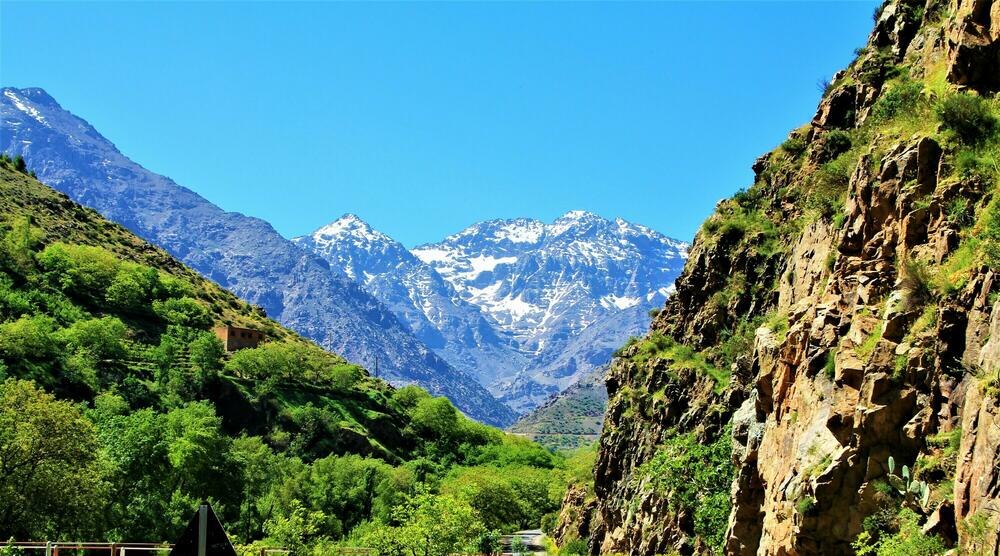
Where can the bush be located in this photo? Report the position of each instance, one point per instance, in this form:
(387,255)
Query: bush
(898,100)
(991,235)
(104,337)
(916,285)
(133,287)
(408,396)
(29,337)
(806,505)
(576,547)
(967,116)
(908,540)
(696,478)
(961,212)
(206,352)
(835,143)
(17,246)
(795,145)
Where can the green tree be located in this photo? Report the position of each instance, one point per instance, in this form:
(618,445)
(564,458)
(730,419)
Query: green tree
(82,271)
(17,246)
(51,481)
(183,311)
(133,288)
(431,525)
(103,337)
(206,352)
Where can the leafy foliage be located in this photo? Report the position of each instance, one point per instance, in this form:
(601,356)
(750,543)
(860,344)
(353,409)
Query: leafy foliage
(696,478)
(967,116)
(51,480)
(907,540)
(120,411)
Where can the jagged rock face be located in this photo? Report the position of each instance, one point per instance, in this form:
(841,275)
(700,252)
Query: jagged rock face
(243,254)
(526,307)
(866,368)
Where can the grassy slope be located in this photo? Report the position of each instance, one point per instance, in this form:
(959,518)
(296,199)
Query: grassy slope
(570,420)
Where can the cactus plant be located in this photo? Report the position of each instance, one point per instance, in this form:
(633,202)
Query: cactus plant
(906,486)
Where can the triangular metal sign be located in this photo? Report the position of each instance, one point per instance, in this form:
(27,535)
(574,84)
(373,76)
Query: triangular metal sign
(204,536)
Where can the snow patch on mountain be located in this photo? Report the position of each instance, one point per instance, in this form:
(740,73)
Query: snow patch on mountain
(524,306)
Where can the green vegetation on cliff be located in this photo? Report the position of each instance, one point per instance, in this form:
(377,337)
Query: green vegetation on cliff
(120,411)
(845,307)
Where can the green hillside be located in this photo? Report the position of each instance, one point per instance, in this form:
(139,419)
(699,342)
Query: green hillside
(570,420)
(120,411)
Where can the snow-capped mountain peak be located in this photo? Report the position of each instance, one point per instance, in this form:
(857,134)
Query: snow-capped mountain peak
(351,227)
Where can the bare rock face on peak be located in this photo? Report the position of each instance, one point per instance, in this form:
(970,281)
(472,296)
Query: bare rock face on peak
(243,254)
(826,379)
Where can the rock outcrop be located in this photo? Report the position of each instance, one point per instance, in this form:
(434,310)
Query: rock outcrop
(835,322)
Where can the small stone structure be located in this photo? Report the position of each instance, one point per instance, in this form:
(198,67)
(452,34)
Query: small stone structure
(234,337)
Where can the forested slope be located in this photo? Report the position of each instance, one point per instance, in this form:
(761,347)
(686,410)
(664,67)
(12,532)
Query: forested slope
(120,411)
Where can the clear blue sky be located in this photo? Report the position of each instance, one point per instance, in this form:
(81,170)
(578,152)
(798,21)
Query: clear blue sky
(424,118)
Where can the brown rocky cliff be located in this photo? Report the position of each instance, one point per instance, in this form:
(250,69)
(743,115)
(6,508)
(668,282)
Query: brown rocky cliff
(810,291)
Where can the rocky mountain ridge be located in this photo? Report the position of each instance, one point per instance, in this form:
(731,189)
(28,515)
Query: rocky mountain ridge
(826,379)
(526,307)
(243,254)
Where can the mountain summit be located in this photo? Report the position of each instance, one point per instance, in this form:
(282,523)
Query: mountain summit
(244,254)
(524,306)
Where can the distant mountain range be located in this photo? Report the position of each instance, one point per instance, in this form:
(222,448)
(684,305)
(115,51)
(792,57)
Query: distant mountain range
(498,317)
(526,307)
(243,254)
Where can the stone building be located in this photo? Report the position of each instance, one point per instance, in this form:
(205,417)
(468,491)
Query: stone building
(234,337)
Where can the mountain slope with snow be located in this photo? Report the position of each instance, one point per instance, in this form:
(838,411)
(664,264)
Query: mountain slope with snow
(524,306)
(243,254)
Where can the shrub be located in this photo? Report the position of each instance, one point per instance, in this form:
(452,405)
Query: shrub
(908,540)
(79,270)
(967,116)
(576,547)
(991,234)
(806,505)
(903,97)
(206,352)
(696,478)
(795,145)
(409,396)
(104,337)
(835,143)
(28,337)
(961,212)
(830,365)
(20,165)
(17,246)
(916,285)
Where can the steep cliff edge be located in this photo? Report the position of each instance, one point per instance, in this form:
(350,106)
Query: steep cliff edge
(826,378)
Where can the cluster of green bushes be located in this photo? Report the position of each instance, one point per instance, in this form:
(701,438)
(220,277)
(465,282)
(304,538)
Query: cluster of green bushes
(696,477)
(677,356)
(16,163)
(902,535)
(120,412)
